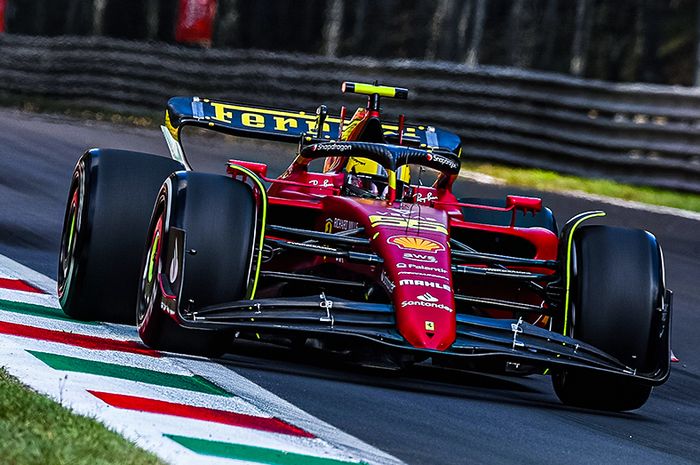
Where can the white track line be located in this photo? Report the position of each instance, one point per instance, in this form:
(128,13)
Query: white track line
(147,429)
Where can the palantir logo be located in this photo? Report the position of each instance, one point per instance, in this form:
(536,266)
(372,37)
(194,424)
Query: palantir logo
(427,297)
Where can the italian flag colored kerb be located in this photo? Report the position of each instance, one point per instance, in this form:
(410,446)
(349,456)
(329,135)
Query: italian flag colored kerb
(188,411)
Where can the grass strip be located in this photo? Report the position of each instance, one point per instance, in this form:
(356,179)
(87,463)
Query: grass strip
(79,365)
(37,431)
(544,180)
(251,453)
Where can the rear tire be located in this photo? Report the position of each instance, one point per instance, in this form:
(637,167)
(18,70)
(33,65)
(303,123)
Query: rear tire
(199,251)
(104,227)
(617,288)
(542,219)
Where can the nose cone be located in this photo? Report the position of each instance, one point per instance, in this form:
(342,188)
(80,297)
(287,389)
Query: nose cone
(419,266)
(425,314)
(413,241)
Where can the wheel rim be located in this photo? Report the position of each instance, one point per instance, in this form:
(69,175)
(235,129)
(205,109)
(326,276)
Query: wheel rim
(71,233)
(149,288)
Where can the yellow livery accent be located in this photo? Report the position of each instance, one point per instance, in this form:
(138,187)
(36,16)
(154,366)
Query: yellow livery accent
(263,200)
(392,179)
(359,165)
(370,89)
(169,126)
(568,265)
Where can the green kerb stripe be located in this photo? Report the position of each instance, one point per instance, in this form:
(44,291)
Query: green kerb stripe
(250,453)
(79,365)
(37,310)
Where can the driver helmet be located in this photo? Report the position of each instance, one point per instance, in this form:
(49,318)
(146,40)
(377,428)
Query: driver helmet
(372,175)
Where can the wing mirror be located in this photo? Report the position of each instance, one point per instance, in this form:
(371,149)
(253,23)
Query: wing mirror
(524,204)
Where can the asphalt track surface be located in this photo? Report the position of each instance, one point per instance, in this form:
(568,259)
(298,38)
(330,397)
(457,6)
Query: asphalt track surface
(425,415)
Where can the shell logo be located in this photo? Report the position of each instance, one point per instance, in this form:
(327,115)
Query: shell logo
(416,243)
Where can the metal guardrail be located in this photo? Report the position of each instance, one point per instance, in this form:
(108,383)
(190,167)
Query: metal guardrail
(644,134)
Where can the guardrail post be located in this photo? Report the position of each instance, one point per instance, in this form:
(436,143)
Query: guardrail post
(477,34)
(332,27)
(98,17)
(581,36)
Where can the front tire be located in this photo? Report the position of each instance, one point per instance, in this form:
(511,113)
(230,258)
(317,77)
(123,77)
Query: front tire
(104,228)
(617,290)
(199,253)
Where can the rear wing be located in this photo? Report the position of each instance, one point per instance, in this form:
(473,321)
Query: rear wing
(285,125)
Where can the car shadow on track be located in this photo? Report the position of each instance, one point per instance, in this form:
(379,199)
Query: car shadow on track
(525,391)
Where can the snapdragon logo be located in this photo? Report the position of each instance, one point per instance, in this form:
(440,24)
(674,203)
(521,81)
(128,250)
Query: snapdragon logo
(334,147)
(443,160)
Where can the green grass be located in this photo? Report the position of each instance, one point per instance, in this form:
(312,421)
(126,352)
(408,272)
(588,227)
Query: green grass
(552,181)
(38,431)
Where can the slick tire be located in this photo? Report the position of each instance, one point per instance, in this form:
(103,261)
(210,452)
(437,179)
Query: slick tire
(199,251)
(617,287)
(542,219)
(109,204)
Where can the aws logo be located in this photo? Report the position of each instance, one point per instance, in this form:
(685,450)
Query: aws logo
(420,257)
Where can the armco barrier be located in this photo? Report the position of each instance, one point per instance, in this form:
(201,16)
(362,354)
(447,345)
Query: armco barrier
(645,134)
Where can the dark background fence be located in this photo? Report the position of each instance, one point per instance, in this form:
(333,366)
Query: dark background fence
(653,41)
(644,134)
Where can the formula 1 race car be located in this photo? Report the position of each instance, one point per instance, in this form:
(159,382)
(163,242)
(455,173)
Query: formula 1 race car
(362,257)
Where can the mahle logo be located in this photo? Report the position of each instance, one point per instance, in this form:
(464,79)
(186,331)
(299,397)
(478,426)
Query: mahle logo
(420,282)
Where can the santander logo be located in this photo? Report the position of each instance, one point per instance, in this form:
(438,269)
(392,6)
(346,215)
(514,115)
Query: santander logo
(426,304)
(427,297)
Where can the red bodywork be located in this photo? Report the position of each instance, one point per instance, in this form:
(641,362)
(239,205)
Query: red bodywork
(411,236)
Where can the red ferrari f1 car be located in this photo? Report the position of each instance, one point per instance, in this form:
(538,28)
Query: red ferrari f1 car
(363,257)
